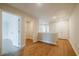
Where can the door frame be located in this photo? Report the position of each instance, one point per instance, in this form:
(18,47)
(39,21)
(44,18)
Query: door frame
(19,27)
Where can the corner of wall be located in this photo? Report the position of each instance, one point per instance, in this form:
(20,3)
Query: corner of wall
(35,40)
(0,31)
(73,47)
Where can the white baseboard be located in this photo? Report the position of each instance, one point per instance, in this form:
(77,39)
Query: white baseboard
(73,47)
(23,46)
(35,40)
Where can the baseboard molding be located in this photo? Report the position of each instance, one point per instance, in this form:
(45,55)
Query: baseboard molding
(35,40)
(23,46)
(73,48)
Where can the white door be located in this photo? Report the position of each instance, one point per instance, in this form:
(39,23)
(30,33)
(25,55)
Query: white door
(11,32)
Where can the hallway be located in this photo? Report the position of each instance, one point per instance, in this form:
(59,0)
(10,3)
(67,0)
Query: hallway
(45,29)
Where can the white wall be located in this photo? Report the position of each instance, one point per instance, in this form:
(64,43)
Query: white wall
(24,16)
(52,27)
(35,30)
(31,27)
(74,29)
(10,9)
(0,31)
(61,28)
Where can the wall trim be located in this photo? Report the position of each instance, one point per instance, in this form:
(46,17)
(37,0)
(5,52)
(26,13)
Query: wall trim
(74,48)
(35,40)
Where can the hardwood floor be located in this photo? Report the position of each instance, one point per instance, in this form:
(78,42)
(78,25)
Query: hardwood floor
(63,48)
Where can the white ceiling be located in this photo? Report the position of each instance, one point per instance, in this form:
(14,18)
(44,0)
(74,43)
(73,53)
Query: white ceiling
(47,11)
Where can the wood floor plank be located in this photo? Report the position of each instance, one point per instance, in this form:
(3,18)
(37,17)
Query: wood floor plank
(62,48)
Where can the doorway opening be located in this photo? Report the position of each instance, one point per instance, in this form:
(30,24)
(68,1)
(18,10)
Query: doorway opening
(11,32)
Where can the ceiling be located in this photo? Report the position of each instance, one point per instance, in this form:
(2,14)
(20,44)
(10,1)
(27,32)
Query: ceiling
(46,11)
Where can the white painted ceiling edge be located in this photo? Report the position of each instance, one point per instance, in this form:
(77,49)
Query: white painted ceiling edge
(49,12)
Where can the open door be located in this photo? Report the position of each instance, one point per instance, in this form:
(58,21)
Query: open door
(11,25)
